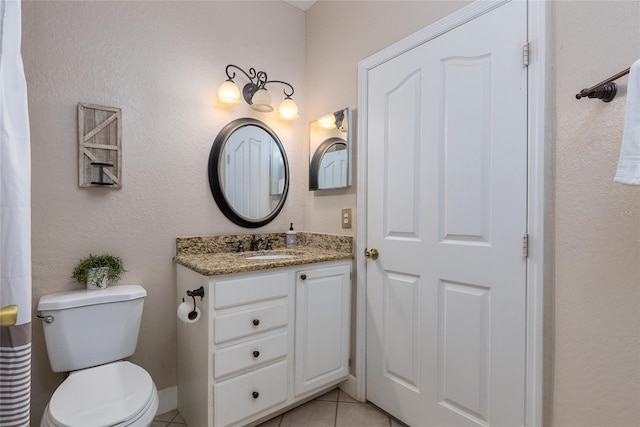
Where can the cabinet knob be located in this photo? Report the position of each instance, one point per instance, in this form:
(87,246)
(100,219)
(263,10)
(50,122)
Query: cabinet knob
(255,394)
(256,322)
(256,353)
(303,277)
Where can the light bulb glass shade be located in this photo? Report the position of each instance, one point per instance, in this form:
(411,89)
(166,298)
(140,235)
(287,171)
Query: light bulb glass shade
(229,93)
(328,121)
(288,109)
(261,101)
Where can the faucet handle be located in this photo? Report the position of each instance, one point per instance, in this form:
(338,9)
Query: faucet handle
(240,243)
(267,245)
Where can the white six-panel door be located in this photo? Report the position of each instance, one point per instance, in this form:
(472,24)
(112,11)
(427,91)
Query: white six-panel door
(447,192)
(246,163)
(333,170)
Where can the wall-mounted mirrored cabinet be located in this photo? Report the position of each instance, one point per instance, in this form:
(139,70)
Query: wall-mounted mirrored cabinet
(330,151)
(248,173)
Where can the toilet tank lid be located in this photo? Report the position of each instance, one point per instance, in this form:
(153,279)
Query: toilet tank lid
(83,297)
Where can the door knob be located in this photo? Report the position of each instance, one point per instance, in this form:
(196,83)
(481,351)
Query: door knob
(371,253)
(8,315)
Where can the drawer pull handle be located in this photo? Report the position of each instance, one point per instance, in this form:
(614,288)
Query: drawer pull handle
(256,322)
(255,394)
(256,353)
(303,277)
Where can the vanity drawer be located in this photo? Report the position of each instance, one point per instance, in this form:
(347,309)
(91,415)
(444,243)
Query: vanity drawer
(249,355)
(247,395)
(244,290)
(244,323)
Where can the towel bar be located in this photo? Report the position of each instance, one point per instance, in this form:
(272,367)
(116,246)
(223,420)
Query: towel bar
(605,90)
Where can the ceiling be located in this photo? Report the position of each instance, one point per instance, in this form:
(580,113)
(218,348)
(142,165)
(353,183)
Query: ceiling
(301,4)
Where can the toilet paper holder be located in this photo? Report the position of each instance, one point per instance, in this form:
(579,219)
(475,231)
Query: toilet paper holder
(193,294)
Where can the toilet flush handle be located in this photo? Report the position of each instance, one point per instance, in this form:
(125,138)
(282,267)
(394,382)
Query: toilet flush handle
(45,319)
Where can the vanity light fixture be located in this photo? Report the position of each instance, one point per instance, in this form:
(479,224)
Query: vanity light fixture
(328,121)
(255,93)
(333,121)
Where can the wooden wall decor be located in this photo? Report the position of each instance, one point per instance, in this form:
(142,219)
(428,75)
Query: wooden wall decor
(99,146)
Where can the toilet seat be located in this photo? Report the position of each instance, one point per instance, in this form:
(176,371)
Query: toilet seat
(116,394)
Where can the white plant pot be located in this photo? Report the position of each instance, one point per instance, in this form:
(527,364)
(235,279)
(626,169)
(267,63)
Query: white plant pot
(97,278)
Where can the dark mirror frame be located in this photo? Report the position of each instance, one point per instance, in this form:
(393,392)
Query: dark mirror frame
(316,161)
(215,181)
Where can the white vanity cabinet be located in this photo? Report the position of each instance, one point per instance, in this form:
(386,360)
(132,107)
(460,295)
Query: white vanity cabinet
(265,340)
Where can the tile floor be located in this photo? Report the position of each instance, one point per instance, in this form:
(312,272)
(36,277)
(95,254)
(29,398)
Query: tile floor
(333,409)
(173,419)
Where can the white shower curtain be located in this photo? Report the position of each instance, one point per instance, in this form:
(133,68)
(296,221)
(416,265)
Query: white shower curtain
(15,222)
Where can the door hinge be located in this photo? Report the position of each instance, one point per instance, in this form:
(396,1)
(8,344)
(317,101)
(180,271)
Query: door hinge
(525,245)
(525,55)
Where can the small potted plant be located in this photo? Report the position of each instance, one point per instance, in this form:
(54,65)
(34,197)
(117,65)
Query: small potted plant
(98,271)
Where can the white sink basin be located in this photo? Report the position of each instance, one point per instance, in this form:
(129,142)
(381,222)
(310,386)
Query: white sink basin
(274,256)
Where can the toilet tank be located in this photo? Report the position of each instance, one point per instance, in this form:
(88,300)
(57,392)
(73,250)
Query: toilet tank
(91,327)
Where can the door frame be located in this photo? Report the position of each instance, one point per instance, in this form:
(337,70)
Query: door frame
(537,104)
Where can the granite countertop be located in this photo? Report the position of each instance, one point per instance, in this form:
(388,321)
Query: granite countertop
(213,255)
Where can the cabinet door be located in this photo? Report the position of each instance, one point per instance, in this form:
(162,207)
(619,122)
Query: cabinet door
(322,327)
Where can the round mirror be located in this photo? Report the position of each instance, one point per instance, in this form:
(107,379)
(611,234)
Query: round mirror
(248,173)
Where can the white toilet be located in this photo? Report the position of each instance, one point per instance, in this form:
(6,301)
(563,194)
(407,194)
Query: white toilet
(87,333)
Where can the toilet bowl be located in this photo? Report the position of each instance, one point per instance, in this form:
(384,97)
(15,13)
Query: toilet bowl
(116,394)
(88,334)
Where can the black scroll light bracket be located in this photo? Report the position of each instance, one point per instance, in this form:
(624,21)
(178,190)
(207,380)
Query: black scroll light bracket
(193,294)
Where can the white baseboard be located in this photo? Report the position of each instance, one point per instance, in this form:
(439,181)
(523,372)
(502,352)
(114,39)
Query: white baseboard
(167,400)
(349,387)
